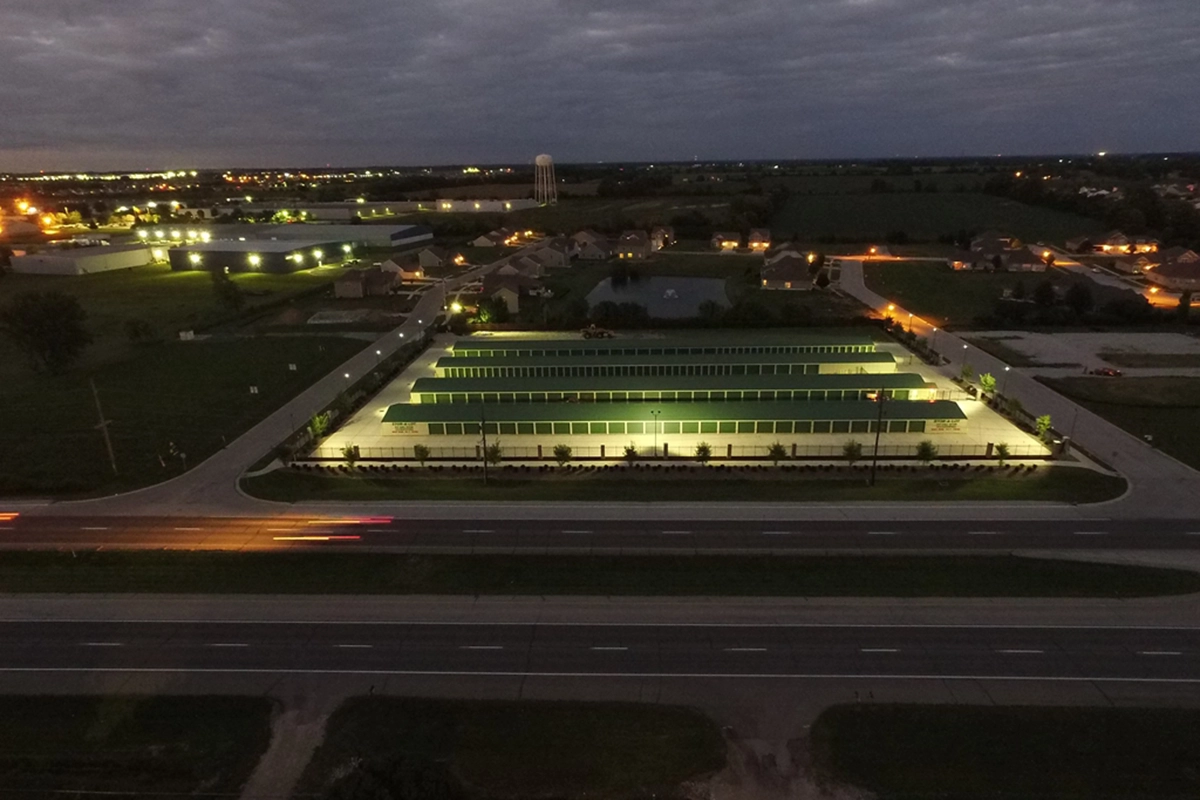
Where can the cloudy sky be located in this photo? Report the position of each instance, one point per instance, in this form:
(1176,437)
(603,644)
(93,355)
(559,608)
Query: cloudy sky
(100,84)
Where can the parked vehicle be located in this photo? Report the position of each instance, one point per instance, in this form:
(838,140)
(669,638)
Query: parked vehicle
(593,332)
(1107,372)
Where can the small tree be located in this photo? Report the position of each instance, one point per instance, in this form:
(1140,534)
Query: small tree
(966,373)
(1001,453)
(47,327)
(562,454)
(852,451)
(926,452)
(350,454)
(318,425)
(987,383)
(777,452)
(493,454)
(421,453)
(703,452)
(631,454)
(1042,425)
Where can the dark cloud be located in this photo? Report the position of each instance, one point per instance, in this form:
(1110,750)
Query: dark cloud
(95,84)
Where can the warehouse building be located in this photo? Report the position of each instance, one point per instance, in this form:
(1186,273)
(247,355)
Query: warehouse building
(258,255)
(684,388)
(81,260)
(621,420)
(622,365)
(542,348)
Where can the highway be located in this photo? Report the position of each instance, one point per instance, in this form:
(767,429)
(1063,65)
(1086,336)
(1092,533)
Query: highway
(466,535)
(1097,654)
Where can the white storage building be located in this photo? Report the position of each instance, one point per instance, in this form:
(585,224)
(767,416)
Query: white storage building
(81,260)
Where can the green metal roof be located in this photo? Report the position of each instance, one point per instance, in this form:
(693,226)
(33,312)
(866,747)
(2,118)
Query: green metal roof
(764,339)
(669,412)
(446,362)
(670,383)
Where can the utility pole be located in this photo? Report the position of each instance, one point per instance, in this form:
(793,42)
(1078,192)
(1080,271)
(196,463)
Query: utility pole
(483,429)
(103,427)
(879,398)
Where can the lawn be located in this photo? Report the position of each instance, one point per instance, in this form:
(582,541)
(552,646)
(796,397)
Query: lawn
(1167,408)
(130,746)
(871,217)
(967,752)
(192,395)
(1065,485)
(1151,360)
(348,573)
(517,749)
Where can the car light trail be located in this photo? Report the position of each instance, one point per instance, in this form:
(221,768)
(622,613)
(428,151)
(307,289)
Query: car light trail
(330,538)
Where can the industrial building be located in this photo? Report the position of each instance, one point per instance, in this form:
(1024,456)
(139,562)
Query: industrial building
(765,343)
(621,365)
(81,260)
(258,255)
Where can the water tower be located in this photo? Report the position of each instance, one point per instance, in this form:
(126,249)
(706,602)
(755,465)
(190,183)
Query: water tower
(545,190)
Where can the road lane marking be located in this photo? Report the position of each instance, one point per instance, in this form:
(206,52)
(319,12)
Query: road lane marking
(1159,653)
(745,649)
(983,533)
(481,647)
(229,644)
(329,538)
(189,529)
(1021,652)
(93,528)
(676,533)
(379,530)
(1091,533)
(102,644)
(477,530)
(879,650)
(881,533)
(778,533)
(279,530)
(577,531)
(609,649)
(354,646)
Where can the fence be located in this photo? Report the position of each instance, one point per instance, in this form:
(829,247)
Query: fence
(826,452)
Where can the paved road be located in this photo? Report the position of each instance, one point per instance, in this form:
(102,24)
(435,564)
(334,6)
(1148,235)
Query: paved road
(702,651)
(575,535)
(1161,486)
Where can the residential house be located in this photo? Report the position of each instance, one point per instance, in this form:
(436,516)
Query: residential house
(1116,243)
(501,237)
(434,256)
(526,266)
(588,237)
(555,252)
(1024,260)
(1080,244)
(371,282)
(406,267)
(787,272)
(726,241)
(510,289)
(634,245)
(601,250)
(1136,263)
(1180,273)
(760,240)
(784,251)
(662,236)
(994,241)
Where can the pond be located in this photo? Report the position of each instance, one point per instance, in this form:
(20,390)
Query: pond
(663,297)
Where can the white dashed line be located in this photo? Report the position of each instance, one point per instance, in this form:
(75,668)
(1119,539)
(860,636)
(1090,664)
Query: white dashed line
(778,533)
(1159,653)
(576,532)
(745,649)
(93,529)
(676,533)
(354,646)
(1021,652)
(983,533)
(477,530)
(379,530)
(189,529)
(881,533)
(609,649)
(481,647)
(102,644)
(229,644)
(1091,533)
(879,650)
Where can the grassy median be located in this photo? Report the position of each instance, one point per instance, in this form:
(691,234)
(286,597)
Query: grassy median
(1046,484)
(342,573)
(504,749)
(903,752)
(130,746)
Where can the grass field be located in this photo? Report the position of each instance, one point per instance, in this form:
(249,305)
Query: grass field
(347,573)
(1064,485)
(866,217)
(193,394)
(124,747)
(1034,753)
(507,749)
(1152,360)
(1168,408)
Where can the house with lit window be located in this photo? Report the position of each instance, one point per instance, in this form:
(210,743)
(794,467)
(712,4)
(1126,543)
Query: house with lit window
(596,250)
(726,241)
(1117,243)
(633,245)
(405,267)
(787,272)
(371,282)
(760,240)
(662,236)
(1178,273)
(435,256)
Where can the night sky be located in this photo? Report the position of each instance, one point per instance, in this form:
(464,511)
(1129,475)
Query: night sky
(108,84)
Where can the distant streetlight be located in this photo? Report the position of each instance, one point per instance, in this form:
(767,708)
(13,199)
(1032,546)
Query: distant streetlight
(1004,385)
(879,398)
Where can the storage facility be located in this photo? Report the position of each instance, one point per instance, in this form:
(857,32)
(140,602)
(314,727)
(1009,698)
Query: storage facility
(81,260)
(258,255)
(618,365)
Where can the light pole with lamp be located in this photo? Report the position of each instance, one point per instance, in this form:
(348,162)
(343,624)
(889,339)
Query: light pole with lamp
(1004,385)
(655,414)
(910,317)
(965,365)
(879,398)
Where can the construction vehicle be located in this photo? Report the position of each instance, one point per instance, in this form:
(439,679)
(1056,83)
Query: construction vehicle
(593,332)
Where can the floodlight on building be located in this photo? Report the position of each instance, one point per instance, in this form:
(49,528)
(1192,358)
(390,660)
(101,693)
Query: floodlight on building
(255,259)
(205,236)
(347,248)
(176,235)
(456,307)
(157,253)
(23,206)
(143,234)
(298,258)
(318,254)
(159,235)
(194,258)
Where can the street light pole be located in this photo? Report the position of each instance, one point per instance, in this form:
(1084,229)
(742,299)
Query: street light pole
(879,398)
(1004,386)
(655,413)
